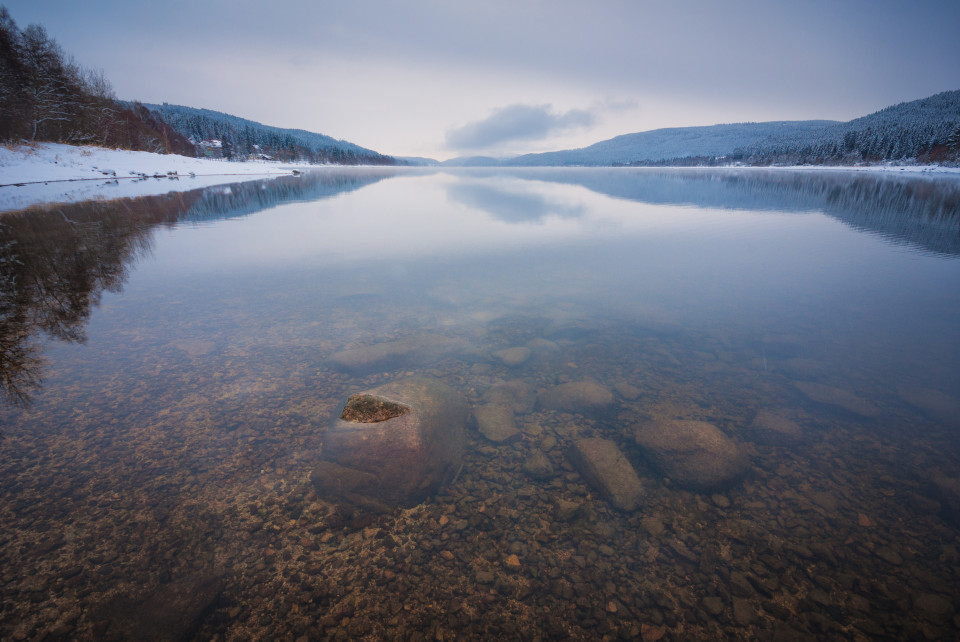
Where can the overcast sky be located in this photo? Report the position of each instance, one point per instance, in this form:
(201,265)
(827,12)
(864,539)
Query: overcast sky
(443,79)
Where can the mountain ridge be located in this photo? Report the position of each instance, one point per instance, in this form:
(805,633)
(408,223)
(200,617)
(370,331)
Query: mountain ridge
(926,130)
(242,137)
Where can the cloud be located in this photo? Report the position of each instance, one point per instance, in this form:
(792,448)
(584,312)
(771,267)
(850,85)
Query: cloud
(517,205)
(516,123)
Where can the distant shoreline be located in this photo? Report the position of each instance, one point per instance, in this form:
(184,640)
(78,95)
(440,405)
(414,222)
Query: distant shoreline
(46,173)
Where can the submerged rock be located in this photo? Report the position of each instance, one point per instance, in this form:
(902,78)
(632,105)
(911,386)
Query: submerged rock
(939,405)
(694,454)
(933,607)
(538,466)
(543,351)
(173,612)
(393,445)
(348,486)
(627,390)
(515,394)
(496,423)
(772,429)
(577,396)
(513,357)
(837,397)
(416,350)
(946,490)
(606,469)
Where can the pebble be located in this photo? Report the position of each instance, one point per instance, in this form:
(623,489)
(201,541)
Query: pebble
(932,607)
(743,612)
(538,466)
(713,605)
(888,555)
(721,501)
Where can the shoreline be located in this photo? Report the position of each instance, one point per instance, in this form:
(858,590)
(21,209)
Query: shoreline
(51,173)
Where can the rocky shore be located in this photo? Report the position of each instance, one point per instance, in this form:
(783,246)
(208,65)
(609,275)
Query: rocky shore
(819,524)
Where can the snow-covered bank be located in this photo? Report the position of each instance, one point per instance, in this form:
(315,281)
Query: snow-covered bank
(55,173)
(886,168)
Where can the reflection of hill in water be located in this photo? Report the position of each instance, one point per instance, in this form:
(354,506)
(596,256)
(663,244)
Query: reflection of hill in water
(56,261)
(921,211)
(240,199)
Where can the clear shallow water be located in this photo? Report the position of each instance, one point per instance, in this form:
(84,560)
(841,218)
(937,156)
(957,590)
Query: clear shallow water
(184,345)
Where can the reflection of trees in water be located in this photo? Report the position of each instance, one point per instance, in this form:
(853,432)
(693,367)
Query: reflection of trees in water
(56,262)
(240,199)
(921,211)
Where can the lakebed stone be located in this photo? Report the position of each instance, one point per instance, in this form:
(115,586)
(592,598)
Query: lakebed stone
(693,454)
(939,405)
(772,429)
(606,469)
(538,466)
(415,350)
(838,397)
(393,445)
(946,490)
(576,396)
(513,357)
(174,611)
(496,422)
(516,394)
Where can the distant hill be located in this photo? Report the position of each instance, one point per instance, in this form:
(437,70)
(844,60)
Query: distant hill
(671,143)
(476,161)
(923,131)
(241,138)
(417,161)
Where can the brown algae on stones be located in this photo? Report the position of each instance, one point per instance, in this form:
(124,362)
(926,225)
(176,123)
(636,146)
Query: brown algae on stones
(370,409)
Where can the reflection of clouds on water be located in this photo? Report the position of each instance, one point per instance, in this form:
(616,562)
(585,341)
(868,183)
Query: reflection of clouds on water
(920,211)
(516,203)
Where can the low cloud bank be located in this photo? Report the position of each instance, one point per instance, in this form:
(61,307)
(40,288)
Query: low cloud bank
(516,123)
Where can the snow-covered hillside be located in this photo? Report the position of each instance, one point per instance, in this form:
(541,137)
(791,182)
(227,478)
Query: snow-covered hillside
(54,173)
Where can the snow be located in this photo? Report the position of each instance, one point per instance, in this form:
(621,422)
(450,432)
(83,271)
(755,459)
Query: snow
(56,173)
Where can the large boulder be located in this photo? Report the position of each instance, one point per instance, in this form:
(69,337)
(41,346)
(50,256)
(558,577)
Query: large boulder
(605,468)
(393,445)
(693,454)
(577,396)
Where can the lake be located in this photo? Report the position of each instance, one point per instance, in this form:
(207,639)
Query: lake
(171,364)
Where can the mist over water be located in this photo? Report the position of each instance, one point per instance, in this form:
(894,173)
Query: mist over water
(170,364)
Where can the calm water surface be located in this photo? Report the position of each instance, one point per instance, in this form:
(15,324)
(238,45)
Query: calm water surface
(169,366)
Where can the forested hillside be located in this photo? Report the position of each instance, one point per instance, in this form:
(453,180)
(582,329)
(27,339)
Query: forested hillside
(920,131)
(45,95)
(925,131)
(672,143)
(241,138)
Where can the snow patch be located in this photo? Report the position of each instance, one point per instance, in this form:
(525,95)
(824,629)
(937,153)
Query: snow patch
(57,173)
